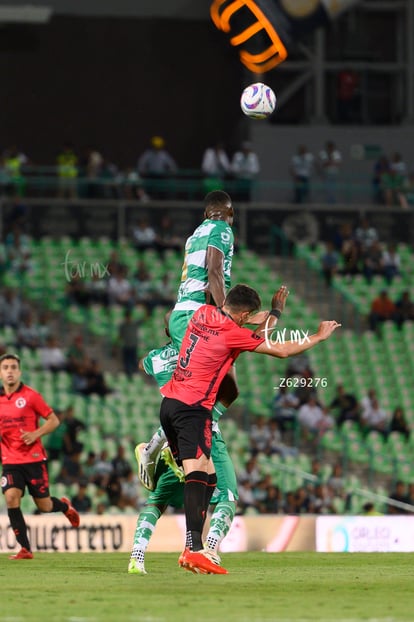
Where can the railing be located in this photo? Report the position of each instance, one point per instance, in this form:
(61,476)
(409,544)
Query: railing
(187,184)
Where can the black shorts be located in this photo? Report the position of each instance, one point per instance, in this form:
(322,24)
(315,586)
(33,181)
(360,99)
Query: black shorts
(34,475)
(188,429)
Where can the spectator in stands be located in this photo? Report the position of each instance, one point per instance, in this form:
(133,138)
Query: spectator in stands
(393,180)
(77,355)
(314,419)
(166,237)
(67,170)
(336,481)
(404,309)
(302,501)
(18,251)
(322,500)
(301,169)
(88,466)
(399,423)
(285,407)
(367,400)
(381,167)
(119,289)
(275,444)
(71,471)
(130,487)
(382,310)
(272,502)
(246,499)
(76,291)
(52,356)
(391,263)
(330,162)
(11,308)
(81,501)
(347,246)
(245,167)
(289,504)
(372,261)
(114,490)
(348,97)
(400,495)
(144,236)
(95,380)
(73,426)
(259,436)
(128,342)
(156,166)
(92,168)
(28,333)
(329,263)
(345,405)
(365,235)
(215,167)
(102,470)
(369,510)
(374,417)
(406,196)
(120,465)
(251,472)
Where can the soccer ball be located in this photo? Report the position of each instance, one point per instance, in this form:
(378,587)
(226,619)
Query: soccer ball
(258,101)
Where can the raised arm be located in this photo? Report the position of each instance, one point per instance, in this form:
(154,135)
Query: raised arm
(289,348)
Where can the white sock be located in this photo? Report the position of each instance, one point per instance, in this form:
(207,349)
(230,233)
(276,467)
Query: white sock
(154,446)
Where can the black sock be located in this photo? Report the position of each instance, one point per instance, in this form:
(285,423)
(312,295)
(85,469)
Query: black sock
(19,527)
(195,490)
(211,486)
(58,505)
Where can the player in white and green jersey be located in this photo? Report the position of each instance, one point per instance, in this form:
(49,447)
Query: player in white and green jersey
(169,479)
(206,271)
(205,277)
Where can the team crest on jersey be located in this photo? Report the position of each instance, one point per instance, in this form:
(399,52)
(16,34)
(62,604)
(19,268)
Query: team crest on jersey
(20,402)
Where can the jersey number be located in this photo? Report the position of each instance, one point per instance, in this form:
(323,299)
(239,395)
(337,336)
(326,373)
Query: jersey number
(185,361)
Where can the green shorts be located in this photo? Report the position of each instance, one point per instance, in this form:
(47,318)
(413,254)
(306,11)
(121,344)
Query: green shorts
(178,325)
(168,488)
(226,489)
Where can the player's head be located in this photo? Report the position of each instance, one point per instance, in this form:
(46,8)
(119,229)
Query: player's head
(241,302)
(217,206)
(10,370)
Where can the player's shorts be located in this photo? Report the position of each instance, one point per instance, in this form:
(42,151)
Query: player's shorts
(168,488)
(177,325)
(34,475)
(226,489)
(187,428)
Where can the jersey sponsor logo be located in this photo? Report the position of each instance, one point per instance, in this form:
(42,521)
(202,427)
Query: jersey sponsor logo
(20,402)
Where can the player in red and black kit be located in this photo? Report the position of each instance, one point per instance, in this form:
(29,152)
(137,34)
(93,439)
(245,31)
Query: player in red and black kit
(213,340)
(23,457)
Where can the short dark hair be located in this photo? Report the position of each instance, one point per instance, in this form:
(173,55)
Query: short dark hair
(217,200)
(9,355)
(243,298)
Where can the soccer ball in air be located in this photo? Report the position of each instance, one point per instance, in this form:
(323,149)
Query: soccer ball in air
(258,101)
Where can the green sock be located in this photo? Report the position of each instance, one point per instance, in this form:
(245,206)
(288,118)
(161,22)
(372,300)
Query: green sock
(220,524)
(218,410)
(146,523)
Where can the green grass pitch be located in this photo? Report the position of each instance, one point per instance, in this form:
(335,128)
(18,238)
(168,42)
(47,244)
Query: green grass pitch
(260,587)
